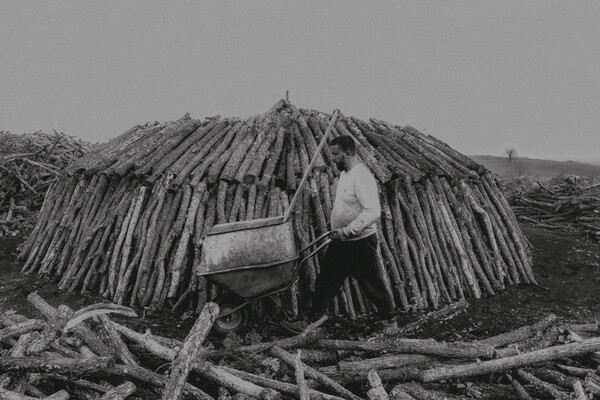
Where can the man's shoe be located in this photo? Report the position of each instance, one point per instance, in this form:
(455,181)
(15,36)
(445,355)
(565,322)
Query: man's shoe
(295,327)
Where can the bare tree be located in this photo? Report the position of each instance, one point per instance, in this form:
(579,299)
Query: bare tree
(511,153)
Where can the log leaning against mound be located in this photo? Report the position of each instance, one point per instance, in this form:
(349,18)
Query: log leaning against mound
(256,259)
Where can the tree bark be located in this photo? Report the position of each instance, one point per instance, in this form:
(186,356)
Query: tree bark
(182,364)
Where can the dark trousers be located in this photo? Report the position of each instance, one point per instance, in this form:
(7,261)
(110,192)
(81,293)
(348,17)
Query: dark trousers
(357,258)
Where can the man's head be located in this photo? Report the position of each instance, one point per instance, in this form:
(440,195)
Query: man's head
(343,150)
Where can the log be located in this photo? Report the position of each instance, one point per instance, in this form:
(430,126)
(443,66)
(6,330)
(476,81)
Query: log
(401,238)
(299,373)
(253,171)
(151,285)
(184,150)
(120,392)
(237,156)
(234,383)
(422,256)
(6,394)
(437,315)
(216,167)
(116,342)
(449,280)
(273,159)
(288,343)
(575,371)
(250,157)
(52,330)
(520,334)
(208,156)
(140,374)
(377,391)
(82,330)
(151,235)
(420,393)
(311,144)
(182,363)
(579,392)
(22,328)
(537,356)
(199,151)
(282,387)
(164,156)
(147,342)
(398,394)
(124,241)
(314,374)
(385,362)
(412,346)
(544,386)
(18,351)
(555,377)
(292,167)
(521,392)
(66,366)
(176,269)
(137,151)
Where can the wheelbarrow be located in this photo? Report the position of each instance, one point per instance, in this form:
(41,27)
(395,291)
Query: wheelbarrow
(255,259)
(252,260)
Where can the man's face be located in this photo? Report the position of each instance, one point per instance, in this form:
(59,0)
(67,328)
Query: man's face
(339,157)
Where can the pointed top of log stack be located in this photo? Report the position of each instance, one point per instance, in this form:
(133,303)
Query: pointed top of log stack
(184,147)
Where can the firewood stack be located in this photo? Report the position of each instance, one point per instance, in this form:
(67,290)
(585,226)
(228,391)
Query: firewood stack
(67,354)
(29,164)
(128,220)
(571,204)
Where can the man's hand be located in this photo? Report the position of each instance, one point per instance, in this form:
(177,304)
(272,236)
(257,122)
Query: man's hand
(338,234)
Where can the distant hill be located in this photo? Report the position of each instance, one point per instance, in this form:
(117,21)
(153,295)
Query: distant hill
(540,169)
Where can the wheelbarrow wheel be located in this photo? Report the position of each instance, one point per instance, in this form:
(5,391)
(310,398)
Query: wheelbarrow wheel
(234,322)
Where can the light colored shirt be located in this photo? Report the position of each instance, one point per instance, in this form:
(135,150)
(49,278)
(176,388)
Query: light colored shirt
(356,207)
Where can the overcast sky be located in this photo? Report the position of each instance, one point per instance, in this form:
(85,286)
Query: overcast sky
(480,75)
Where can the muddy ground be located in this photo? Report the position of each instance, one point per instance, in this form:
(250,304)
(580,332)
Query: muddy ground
(566,265)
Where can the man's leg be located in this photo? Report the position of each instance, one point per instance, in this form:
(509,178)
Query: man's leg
(367,273)
(334,270)
(333,273)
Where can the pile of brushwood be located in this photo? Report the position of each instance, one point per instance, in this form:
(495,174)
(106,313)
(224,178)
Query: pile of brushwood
(85,355)
(573,203)
(29,164)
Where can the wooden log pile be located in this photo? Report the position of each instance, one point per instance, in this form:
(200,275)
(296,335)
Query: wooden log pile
(570,204)
(128,220)
(29,165)
(84,355)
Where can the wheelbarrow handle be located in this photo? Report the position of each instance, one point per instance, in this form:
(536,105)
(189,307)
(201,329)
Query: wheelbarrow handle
(319,247)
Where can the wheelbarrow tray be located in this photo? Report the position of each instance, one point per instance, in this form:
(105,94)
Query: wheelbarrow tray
(251,258)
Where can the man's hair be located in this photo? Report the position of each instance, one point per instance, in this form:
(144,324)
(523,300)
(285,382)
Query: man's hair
(345,143)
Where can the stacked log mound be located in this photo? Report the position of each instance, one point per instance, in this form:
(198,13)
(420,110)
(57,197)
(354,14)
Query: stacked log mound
(571,204)
(128,220)
(85,355)
(29,164)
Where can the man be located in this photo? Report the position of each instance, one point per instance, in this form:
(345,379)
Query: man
(353,250)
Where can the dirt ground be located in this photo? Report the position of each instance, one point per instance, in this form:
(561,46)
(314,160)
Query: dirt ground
(565,263)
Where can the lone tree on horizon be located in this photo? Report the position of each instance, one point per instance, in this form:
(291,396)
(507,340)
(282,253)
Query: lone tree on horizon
(511,153)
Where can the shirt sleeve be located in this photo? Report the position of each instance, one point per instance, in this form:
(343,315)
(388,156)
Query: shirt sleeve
(365,188)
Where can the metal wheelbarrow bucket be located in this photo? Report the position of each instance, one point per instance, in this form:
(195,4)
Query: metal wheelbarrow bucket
(252,260)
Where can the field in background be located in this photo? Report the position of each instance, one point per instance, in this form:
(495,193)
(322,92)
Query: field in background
(539,169)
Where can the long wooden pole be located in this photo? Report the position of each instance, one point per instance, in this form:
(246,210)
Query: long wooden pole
(289,210)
